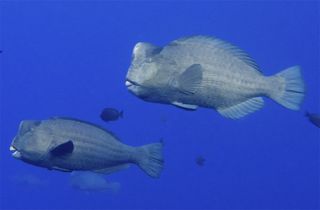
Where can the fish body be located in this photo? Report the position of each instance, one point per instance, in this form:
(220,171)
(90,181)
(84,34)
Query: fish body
(208,72)
(111,114)
(71,145)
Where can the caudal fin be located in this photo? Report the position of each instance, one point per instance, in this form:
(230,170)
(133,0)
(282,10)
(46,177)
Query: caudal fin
(151,159)
(291,91)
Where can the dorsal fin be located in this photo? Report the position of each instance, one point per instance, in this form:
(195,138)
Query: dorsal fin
(218,43)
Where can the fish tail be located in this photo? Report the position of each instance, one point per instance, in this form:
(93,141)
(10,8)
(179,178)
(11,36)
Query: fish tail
(151,159)
(289,92)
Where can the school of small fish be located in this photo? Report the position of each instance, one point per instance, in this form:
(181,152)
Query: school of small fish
(190,72)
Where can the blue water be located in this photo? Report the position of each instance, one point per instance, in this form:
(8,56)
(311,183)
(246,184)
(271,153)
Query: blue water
(68,58)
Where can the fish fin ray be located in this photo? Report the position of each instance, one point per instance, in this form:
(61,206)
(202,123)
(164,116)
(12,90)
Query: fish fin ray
(240,110)
(60,169)
(185,106)
(190,80)
(112,169)
(151,161)
(293,93)
(217,43)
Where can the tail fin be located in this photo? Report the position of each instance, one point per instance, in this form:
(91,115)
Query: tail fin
(150,159)
(292,93)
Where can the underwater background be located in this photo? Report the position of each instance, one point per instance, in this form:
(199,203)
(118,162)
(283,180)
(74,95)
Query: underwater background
(70,58)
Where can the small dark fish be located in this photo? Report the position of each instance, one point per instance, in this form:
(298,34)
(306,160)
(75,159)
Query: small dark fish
(200,160)
(111,114)
(314,118)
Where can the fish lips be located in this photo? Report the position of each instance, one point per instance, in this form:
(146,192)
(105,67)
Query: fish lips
(130,83)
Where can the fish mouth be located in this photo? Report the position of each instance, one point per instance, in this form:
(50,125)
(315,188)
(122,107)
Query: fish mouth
(130,83)
(15,152)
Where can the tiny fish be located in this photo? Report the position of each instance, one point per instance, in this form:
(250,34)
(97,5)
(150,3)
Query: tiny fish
(314,118)
(200,160)
(89,181)
(73,145)
(201,71)
(111,114)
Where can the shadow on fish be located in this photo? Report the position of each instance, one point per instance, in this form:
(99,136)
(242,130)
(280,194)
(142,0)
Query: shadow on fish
(202,71)
(68,145)
(111,114)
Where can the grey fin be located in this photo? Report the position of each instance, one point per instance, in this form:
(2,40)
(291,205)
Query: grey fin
(239,110)
(86,122)
(190,79)
(62,149)
(60,169)
(216,43)
(112,169)
(185,106)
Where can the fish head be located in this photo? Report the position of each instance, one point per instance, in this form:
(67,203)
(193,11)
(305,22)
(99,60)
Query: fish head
(141,76)
(30,144)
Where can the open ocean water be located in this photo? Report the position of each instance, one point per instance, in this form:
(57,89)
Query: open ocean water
(70,58)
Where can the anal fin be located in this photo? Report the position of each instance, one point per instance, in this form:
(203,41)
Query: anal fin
(241,109)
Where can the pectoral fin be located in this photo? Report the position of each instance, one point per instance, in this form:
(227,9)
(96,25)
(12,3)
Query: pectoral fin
(190,107)
(189,81)
(63,149)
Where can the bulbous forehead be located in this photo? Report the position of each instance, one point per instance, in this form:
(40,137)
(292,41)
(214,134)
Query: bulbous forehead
(144,50)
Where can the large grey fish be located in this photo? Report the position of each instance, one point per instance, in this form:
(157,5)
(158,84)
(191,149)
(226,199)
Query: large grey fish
(208,72)
(69,144)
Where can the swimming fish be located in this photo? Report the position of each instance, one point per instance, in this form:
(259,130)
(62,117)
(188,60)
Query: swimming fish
(314,118)
(200,160)
(69,144)
(111,114)
(201,71)
(89,181)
